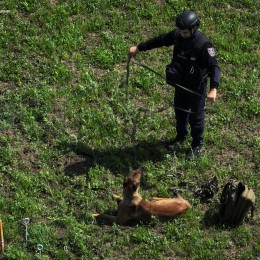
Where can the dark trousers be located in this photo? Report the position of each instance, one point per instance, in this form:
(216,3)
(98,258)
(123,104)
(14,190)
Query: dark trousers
(188,101)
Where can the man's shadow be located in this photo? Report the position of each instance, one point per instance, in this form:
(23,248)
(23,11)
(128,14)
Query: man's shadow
(115,159)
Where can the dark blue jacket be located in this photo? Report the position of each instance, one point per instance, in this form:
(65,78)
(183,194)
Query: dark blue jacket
(185,53)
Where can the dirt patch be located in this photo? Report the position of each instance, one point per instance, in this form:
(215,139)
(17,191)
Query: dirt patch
(53,2)
(28,158)
(75,165)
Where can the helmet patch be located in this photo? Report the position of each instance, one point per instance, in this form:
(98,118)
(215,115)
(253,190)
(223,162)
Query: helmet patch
(211,52)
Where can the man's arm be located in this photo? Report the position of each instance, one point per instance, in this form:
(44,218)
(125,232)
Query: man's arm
(166,39)
(211,63)
(161,40)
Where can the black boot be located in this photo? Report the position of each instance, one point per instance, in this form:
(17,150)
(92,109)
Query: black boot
(194,153)
(176,143)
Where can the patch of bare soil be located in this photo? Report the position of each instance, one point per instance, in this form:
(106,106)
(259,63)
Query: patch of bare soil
(53,2)
(75,165)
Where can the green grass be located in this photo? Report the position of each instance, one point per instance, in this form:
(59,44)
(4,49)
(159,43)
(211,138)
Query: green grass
(70,129)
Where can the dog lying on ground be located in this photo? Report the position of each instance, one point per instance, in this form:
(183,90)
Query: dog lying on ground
(133,207)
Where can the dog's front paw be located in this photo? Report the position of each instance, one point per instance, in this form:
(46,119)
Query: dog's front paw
(116,197)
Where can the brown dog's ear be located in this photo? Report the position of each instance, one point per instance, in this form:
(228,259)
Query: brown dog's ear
(137,174)
(141,169)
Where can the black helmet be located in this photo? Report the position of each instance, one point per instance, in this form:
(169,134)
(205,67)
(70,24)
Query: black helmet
(187,20)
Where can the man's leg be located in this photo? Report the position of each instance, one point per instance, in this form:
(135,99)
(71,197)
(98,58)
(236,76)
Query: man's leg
(182,118)
(197,129)
(181,124)
(197,123)
(181,102)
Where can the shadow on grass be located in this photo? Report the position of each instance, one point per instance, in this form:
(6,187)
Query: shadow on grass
(116,159)
(105,222)
(212,218)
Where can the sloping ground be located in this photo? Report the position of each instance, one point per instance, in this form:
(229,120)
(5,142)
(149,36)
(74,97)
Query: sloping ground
(70,128)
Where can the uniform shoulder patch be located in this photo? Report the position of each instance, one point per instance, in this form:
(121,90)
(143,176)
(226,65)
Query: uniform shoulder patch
(211,52)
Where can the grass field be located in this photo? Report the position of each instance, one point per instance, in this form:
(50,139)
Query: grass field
(70,128)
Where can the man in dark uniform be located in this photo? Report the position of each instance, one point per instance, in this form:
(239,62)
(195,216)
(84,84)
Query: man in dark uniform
(194,60)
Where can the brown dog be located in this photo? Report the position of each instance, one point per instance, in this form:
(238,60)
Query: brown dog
(133,207)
